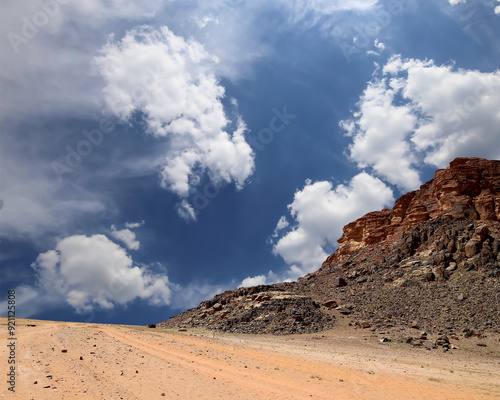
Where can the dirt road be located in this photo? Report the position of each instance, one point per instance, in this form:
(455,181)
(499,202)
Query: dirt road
(58,360)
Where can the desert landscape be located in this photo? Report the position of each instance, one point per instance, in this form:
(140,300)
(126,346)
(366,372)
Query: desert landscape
(63,360)
(406,308)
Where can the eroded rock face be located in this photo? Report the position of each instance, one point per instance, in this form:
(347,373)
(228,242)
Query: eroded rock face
(432,262)
(468,189)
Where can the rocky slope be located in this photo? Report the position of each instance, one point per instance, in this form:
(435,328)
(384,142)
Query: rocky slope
(430,263)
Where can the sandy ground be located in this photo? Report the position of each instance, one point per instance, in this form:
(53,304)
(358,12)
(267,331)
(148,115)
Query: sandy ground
(125,362)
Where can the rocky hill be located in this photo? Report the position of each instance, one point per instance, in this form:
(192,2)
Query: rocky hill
(430,263)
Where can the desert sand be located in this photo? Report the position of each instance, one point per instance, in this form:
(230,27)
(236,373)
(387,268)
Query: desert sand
(62,360)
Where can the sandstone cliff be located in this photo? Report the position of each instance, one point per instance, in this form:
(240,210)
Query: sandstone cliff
(468,189)
(431,262)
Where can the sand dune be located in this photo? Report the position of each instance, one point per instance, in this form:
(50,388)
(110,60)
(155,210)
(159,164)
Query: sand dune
(59,360)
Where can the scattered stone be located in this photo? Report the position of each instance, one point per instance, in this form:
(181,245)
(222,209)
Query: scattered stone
(344,310)
(365,324)
(331,304)
(429,345)
(442,340)
(340,282)
(64,351)
(480,344)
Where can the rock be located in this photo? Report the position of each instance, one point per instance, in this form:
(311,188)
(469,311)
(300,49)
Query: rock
(365,324)
(455,191)
(340,282)
(480,344)
(429,345)
(385,340)
(331,304)
(472,248)
(344,310)
(217,307)
(452,267)
(442,340)
(64,351)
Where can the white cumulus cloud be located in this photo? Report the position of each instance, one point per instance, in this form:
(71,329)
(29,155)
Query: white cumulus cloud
(88,272)
(254,281)
(127,237)
(170,81)
(421,111)
(320,212)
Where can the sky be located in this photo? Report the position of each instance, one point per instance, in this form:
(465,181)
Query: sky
(156,153)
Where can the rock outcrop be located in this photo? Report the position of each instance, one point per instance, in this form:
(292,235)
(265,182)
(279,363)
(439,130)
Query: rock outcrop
(431,262)
(468,189)
(276,309)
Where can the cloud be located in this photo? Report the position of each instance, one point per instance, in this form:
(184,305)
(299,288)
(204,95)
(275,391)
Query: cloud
(92,272)
(320,212)
(170,81)
(33,201)
(379,133)
(313,9)
(267,279)
(186,211)
(254,281)
(133,225)
(190,295)
(455,2)
(282,224)
(418,111)
(379,45)
(127,237)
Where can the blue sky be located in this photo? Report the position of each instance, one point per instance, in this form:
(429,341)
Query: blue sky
(156,153)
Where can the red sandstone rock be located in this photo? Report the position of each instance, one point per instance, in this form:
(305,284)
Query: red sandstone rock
(468,189)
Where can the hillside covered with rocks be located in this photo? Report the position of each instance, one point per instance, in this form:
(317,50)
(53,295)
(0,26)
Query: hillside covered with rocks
(429,265)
